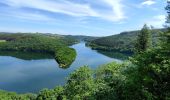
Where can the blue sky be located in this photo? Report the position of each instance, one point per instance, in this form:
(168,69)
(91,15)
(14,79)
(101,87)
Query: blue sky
(80,17)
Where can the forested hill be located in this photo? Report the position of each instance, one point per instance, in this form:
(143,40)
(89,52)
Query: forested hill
(35,42)
(123,42)
(60,39)
(82,37)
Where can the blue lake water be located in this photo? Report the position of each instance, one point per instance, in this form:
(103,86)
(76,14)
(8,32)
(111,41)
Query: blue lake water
(33,74)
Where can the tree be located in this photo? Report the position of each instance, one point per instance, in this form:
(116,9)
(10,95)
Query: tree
(109,81)
(153,68)
(143,40)
(167,8)
(80,84)
(166,41)
(51,94)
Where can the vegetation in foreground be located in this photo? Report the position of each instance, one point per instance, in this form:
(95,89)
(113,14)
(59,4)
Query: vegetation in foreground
(144,77)
(4,95)
(44,43)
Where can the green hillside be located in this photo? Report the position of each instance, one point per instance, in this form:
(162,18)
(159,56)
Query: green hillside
(45,43)
(123,42)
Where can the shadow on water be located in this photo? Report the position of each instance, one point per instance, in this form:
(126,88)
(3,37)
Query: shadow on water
(30,56)
(27,55)
(116,55)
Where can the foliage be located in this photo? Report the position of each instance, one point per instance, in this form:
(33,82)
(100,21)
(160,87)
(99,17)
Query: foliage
(109,81)
(31,42)
(52,94)
(153,70)
(40,43)
(4,95)
(123,42)
(80,84)
(144,77)
(65,56)
(143,40)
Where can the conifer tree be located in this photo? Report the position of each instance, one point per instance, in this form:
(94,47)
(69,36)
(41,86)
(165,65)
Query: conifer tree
(167,34)
(143,40)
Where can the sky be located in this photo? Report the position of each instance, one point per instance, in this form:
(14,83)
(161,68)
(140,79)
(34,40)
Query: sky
(80,17)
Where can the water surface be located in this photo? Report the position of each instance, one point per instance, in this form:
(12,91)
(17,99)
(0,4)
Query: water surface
(31,72)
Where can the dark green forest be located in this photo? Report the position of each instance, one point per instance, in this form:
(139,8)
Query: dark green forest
(43,43)
(144,76)
(123,42)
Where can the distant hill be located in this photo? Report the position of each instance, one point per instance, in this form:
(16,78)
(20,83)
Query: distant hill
(82,37)
(72,38)
(123,42)
(19,35)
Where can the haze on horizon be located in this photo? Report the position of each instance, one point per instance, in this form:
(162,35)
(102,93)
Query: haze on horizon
(80,17)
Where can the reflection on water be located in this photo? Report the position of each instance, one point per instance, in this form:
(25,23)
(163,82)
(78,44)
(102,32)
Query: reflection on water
(117,55)
(27,55)
(25,72)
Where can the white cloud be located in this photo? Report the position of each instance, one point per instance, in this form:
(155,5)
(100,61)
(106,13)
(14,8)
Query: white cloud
(117,10)
(31,16)
(26,15)
(115,13)
(56,7)
(157,21)
(148,2)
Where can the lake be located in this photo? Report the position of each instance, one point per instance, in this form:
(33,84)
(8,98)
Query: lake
(31,72)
